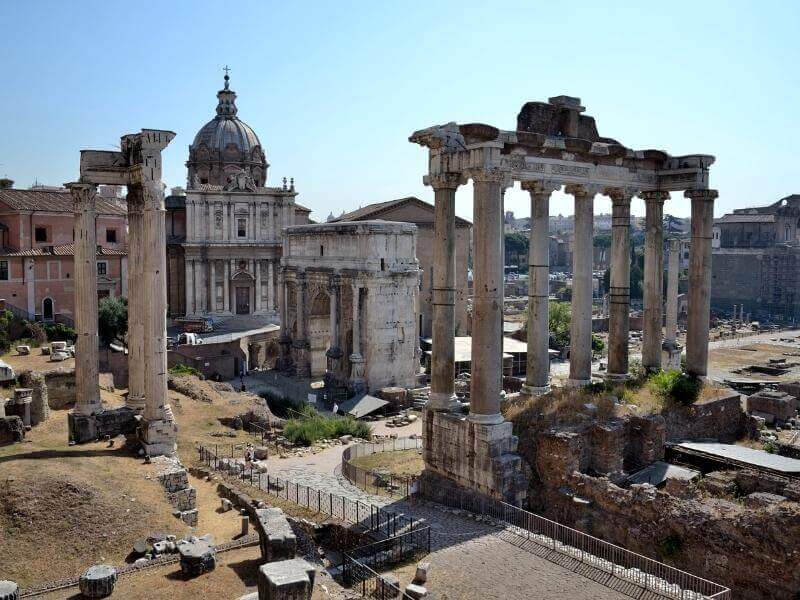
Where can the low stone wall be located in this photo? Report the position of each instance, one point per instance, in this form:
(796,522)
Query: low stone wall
(721,419)
(115,363)
(175,481)
(60,388)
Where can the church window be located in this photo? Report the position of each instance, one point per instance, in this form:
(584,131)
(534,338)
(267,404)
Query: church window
(241,228)
(40,234)
(111,236)
(3,270)
(102,267)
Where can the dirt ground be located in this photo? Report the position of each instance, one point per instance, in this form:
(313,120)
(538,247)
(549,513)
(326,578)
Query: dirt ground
(64,508)
(35,361)
(404,463)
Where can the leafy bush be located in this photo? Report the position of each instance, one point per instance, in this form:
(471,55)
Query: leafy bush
(5,337)
(112,319)
(58,332)
(676,386)
(36,333)
(314,427)
(597,343)
(769,447)
(181,369)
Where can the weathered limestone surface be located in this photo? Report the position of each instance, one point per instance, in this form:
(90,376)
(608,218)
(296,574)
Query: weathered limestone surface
(653,278)
(9,590)
(12,430)
(278,540)
(580,352)
(98,581)
(198,555)
(620,292)
(286,580)
(40,408)
(473,455)
(780,405)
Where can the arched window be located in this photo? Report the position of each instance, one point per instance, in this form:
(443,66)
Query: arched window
(47,309)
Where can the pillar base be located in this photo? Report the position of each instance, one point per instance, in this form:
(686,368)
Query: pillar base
(135,402)
(159,437)
(575,383)
(533,390)
(87,409)
(617,377)
(442,401)
(495,419)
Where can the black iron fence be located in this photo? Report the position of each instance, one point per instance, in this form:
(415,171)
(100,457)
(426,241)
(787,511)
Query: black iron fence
(375,480)
(370,584)
(384,553)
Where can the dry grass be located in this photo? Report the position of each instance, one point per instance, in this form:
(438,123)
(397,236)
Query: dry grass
(402,463)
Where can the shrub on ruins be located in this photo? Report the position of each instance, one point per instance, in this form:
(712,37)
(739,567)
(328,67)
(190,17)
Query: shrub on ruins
(113,319)
(181,369)
(58,332)
(313,427)
(6,317)
(675,386)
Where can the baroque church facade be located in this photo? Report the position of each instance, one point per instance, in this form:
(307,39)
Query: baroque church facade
(225,235)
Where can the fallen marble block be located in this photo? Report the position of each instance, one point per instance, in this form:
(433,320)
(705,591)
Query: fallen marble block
(98,581)
(198,555)
(286,580)
(9,590)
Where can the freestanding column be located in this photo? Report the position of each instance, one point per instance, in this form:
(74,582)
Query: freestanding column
(673,272)
(188,268)
(226,297)
(653,278)
(444,291)
(87,390)
(334,352)
(271,284)
(580,356)
(258,284)
(699,281)
(537,375)
(212,286)
(487,319)
(136,300)
(619,296)
(300,344)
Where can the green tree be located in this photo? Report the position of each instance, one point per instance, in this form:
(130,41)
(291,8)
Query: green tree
(560,316)
(113,319)
(516,250)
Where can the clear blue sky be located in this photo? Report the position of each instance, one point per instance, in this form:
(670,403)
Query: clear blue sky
(333,89)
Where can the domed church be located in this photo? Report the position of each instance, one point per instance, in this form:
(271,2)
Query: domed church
(225,234)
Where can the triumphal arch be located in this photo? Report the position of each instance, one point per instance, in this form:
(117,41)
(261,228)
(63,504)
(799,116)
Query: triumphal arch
(554,146)
(350,295)
(146,414)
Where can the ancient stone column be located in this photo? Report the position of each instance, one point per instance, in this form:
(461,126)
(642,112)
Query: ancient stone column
(334,353)
(580,358)
(271,284)
(226,296)
(673,273)
(356,359)
(188,268)
(653,278)
(699,281)
(136,300)
(487,320)
(537,376)
(619,296)
(87,390)
(199,287)
(444,291)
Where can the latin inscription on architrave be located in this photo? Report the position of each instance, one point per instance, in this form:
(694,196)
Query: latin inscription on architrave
(570,170)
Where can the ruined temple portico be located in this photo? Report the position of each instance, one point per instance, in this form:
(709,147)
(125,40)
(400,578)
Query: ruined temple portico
(553,145)
(138,166)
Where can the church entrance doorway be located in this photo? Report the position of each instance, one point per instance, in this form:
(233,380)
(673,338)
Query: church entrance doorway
(242,300)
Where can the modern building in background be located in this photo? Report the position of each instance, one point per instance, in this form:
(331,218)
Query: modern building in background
(224,236)
(37,252)
(756,261)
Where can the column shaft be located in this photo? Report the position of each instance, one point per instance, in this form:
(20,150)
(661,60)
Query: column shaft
(444,276)
(155,291)
(87,390)
(226,296)
(212,286)
(619,296)
(673,272)
(258,284)
(699,281)
(580,358)
(136,301)
(271,284)
(334,325)
(537,376)
(487,320)
(653,279)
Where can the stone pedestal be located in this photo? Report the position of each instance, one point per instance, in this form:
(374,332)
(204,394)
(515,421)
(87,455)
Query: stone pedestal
(275,534)
(475,456)
(198,556)
(98,581)
(20,405)
(9,590)
(158,437)
(286,580)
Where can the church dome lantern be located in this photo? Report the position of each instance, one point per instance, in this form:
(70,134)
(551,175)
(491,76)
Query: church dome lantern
(226,150)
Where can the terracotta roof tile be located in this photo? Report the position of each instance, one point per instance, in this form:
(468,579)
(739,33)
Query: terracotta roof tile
(64,250)
(51,201)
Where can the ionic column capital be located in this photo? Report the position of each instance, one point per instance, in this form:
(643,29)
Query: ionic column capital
(654,196)
(703,195)
(620,195)
(445,181)
(583,190)
(540,187)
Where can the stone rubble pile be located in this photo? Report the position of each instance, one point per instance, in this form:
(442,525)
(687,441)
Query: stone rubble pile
(175,480)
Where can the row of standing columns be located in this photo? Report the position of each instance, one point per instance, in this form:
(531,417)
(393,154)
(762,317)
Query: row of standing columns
(486,380)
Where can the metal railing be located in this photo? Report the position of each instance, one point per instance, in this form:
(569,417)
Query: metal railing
(623,564)
(372,518)
(374,479)
(370,584)
(383,553)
